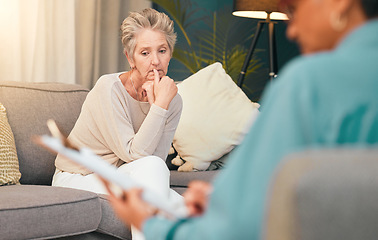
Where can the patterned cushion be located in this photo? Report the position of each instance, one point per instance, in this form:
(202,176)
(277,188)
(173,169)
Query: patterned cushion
(9,170)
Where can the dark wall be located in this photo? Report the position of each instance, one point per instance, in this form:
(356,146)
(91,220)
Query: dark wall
(255,82)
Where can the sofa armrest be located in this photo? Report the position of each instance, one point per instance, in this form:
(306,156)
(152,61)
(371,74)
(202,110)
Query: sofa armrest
(29,106)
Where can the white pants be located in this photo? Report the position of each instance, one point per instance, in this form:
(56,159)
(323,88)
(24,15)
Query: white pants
(150,171)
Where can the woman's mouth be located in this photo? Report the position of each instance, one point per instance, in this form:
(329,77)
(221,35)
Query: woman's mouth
(151,73)
(159,70)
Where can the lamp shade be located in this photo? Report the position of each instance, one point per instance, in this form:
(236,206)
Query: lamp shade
(258,9)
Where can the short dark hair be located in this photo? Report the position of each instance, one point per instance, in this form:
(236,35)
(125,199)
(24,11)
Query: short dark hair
(370,8)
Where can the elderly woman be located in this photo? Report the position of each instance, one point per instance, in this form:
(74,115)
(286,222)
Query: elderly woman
(326,98)
(129,118)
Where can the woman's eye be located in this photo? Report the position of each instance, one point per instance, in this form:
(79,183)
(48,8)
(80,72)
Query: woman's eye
(163,51)
(144,53)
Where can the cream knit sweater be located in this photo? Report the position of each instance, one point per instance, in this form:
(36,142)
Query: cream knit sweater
(115,126)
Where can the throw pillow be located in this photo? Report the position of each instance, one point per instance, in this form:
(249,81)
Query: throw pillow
(215,117)
(9,168)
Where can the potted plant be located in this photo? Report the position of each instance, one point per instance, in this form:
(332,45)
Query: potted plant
(220,38)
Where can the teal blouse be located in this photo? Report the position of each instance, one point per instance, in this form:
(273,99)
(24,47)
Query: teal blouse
(328,99)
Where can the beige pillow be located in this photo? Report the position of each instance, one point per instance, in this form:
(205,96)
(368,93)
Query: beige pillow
(9,169)
(216,115)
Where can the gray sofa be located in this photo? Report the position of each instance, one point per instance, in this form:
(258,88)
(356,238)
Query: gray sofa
(36,210)
(324,194)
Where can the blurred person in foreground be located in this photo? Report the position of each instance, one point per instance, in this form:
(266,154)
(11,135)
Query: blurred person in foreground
(325,98)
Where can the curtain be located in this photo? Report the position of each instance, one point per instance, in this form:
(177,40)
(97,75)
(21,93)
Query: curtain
(70,41)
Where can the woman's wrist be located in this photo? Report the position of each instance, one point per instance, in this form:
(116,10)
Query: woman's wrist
(161,103)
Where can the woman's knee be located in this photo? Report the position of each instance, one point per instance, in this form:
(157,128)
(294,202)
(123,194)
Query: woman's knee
(155,163)
(147,165)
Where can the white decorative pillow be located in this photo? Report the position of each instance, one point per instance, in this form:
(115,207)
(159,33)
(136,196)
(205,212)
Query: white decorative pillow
(216,115)
(9,169)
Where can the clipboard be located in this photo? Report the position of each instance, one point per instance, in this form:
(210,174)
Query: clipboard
(59,143)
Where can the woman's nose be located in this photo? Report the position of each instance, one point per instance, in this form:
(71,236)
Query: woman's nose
(155,59)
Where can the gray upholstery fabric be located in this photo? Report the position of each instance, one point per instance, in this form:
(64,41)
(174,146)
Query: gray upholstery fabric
(182,179)
(111,225)
(42,212)
(88,236)
(324,194)
(29,106)
(179,180)
(339,198)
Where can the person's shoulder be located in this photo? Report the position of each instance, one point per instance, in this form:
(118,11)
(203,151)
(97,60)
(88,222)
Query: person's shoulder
(303,64)
(107,83)
(302,75)
(304,69)
(108,80)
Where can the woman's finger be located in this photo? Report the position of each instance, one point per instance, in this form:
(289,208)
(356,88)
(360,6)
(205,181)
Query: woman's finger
(157,77)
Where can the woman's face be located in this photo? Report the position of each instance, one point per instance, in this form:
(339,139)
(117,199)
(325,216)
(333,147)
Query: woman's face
(151,52)
(309,25)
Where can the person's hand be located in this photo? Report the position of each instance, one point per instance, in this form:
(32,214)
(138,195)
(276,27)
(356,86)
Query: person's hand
(130,207)
(197,196)
(148,88)
(165,90)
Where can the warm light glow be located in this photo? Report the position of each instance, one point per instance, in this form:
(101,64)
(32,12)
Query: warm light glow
(261,15)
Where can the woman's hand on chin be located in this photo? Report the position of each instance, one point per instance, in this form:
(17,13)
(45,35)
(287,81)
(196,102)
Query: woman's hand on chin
(148,92)
(165,90)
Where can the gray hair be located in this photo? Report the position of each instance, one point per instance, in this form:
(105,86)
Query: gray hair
(146,19)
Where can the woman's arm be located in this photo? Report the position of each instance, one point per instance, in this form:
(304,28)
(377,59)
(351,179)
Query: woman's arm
(106,126)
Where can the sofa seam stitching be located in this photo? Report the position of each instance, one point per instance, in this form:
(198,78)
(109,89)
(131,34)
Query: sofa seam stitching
(49,205)
(45,90)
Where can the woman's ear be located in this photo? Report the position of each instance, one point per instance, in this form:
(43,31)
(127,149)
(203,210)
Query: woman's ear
(342,7)
(343,14)
(130,60)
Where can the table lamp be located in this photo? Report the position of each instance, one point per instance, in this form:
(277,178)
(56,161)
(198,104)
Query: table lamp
(261,9)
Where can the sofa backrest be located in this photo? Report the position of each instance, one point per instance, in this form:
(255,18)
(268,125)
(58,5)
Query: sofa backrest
(29,106)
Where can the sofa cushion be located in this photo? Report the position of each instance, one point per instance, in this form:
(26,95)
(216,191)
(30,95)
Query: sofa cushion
(182,179)
(215,117)
(47,212)
(9,170)
(179,181)
(110,224)
(29,106)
